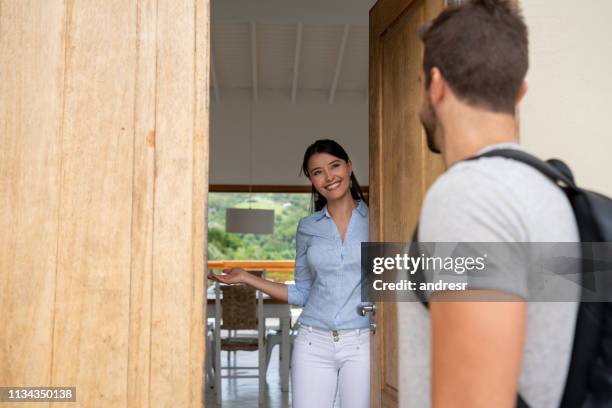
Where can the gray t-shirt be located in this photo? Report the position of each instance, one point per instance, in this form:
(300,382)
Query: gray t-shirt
(495,200)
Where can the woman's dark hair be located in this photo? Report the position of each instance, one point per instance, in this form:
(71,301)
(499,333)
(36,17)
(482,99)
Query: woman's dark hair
(333,148)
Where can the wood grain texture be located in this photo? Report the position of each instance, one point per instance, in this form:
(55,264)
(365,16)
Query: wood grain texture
(103,181)
(401,168)
(403,142)
(376,207)
(199,197)
(31,88)
(139,352)
(93,265)
(173,217)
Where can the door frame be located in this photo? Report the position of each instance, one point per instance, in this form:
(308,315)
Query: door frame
(383,15)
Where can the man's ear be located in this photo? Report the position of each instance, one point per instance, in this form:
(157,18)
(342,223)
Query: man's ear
(437,88)
(521,92)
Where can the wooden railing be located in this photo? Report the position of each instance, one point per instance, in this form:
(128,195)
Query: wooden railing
(270,266)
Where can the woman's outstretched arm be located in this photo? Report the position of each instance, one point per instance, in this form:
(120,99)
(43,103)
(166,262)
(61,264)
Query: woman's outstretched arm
(239,275)
(295,294)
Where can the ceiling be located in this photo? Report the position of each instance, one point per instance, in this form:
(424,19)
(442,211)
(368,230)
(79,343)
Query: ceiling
(289,45)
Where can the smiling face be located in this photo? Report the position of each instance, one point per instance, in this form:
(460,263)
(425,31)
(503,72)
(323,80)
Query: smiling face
(329,175)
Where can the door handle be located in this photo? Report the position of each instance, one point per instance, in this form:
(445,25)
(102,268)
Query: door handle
(365,309)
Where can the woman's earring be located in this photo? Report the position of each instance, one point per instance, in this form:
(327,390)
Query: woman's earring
(316,196)
(351,183)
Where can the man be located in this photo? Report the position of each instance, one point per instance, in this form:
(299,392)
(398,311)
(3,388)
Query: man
(484,353)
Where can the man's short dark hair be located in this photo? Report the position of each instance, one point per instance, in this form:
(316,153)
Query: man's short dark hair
(481,49)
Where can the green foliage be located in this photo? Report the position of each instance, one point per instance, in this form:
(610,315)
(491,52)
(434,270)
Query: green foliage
(288,209)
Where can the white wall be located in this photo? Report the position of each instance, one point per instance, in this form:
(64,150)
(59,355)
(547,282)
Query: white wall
(565,113)
(567,110)
(281,133)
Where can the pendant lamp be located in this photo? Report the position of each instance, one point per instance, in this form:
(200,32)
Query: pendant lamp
(249,220)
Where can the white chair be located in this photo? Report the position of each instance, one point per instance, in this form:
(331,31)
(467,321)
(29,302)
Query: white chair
(275,338)
(210,352)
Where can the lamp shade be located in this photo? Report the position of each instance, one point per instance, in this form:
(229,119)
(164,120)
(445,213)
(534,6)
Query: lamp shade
(249,221)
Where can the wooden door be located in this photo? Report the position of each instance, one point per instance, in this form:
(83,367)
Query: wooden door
(103,180)
(401,167)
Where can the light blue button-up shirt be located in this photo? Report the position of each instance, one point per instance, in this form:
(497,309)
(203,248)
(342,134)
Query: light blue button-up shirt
(328,271)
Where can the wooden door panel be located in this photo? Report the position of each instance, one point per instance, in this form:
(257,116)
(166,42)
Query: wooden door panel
(103,181)
(401,167)
(31,110)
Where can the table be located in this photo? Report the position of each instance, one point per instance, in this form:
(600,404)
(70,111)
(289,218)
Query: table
(273,308)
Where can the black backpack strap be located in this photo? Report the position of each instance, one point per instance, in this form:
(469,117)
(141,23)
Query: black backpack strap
(554,169)
(520,402)
(418,277)
(589,375)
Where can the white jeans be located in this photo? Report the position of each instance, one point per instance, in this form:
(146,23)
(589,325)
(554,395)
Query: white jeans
(322,364)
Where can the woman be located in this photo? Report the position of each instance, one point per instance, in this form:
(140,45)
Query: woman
(332,349)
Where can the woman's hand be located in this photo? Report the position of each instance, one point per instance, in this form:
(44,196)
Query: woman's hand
(239,275)
(230,275)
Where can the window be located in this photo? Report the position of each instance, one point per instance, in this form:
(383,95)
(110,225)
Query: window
(288,209)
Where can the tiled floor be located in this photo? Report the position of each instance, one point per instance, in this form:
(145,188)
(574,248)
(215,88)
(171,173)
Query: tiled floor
(243,392)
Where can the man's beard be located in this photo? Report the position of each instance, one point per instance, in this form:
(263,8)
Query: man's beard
(430,124)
